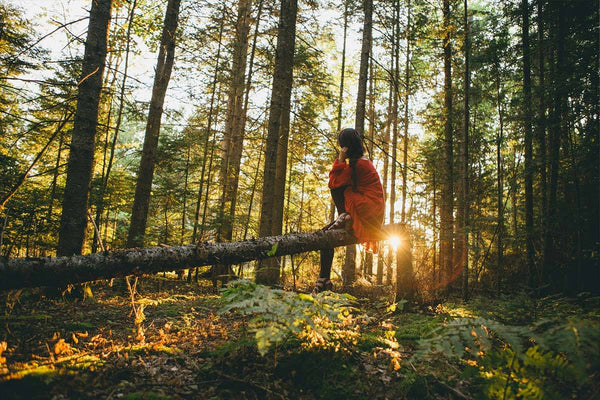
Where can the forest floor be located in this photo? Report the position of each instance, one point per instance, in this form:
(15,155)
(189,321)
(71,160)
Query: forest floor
(55,348)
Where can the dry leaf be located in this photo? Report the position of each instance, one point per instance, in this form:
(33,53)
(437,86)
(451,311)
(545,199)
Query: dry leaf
(61,347)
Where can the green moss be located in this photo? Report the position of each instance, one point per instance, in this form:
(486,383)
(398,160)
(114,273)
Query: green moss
(412,327)
(157,349)
(30,317)
(369,340)
(42,373)
(79,326)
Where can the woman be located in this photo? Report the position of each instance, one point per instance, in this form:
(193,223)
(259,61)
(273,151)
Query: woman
(358,196)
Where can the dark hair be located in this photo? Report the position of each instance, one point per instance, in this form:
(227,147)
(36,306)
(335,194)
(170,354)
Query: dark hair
(350,138)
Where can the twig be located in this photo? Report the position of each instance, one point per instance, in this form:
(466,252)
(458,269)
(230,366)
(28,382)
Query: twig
(454,390)
(96,229)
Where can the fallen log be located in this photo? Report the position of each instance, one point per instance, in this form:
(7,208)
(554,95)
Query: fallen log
(16,273)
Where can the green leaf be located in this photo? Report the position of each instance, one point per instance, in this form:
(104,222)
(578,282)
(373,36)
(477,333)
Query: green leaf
(273,250)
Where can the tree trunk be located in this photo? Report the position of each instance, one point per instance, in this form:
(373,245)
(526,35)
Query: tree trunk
(462,218)
(386,139)
(104,184)
(81,156)
(361,100)
(342,72)
(528,145)
(233,136)
(559,99)
(208,128)
(185,189)
(210,169)
(541,125)
(31,272)
(447,204)
(372,85)
(279,115)
(364,68)
(405,279)
(500,178)
(406,121)
(368,263)
(393,159)
(143,186)
(55,178)
(332,208)
(255,182)
(435,232)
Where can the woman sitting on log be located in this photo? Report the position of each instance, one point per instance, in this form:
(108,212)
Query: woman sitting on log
(358,196)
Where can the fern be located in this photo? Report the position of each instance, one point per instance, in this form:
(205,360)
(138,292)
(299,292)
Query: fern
(547,360)
(319,320)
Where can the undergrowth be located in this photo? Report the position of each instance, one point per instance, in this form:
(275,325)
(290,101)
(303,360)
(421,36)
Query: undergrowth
(533,349)
(257,342)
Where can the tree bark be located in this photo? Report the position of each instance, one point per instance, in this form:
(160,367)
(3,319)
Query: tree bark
(342,72)
(541,125)
(332,208)
(559,99)
(164,66)
(361,101)
(462,220)
(500,178)
(208,129)
(364,67)
(104,183)
(81,156)
(279,115)
(406,121)
(233,136)
(48,271)
(255,182)
(447,203)
(405,279)
(210,169)
(386,140)
(435,232)
(396,85)
(528,145)
(55,178)
(368,262)
(186,173)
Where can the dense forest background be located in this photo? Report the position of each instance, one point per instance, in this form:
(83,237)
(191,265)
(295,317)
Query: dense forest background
(482,122)
(146,123)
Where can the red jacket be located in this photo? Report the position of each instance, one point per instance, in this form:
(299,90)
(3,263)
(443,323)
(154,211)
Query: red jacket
(367,204)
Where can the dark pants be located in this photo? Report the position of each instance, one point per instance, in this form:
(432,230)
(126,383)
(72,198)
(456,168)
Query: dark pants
(327,254)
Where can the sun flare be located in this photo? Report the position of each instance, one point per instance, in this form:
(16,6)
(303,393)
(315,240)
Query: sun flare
(394,241)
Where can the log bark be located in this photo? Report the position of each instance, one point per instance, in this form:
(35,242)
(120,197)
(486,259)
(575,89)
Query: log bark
(58,271)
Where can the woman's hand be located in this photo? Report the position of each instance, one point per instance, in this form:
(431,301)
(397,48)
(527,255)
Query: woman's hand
(342,156)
